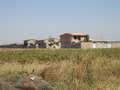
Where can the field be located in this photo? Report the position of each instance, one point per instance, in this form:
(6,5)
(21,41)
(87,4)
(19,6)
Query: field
(66,69)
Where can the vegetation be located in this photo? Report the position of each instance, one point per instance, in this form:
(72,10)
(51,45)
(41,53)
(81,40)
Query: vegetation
(25,44)
(86,39)
(66,69)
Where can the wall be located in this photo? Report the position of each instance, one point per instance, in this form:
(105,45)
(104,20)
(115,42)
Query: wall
(75,45)
(12,46)
(86,45)
(65,41)
(101,45)
(115,45)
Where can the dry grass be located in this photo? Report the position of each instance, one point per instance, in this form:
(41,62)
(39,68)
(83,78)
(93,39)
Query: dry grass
(72,75)
(18,68)
(79,70)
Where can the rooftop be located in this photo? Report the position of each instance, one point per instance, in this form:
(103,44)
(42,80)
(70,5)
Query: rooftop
(29,39)
(73,34)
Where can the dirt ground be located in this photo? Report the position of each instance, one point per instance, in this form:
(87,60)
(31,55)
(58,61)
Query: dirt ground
(23,82)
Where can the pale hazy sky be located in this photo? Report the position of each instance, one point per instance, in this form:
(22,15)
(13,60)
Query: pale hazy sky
(39,19)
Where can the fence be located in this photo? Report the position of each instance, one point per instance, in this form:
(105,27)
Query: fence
(88,45)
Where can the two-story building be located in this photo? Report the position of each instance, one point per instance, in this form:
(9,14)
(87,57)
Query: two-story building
(69,40)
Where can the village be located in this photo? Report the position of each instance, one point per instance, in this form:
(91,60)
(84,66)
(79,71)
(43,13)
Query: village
(67,40)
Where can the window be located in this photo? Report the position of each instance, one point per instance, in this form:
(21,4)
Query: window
(75,37)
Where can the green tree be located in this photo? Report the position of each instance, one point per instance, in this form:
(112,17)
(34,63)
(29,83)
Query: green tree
(86,39)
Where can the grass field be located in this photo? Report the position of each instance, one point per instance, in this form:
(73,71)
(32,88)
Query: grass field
(66,69)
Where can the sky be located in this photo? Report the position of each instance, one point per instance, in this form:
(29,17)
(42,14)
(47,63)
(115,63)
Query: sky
(40,19)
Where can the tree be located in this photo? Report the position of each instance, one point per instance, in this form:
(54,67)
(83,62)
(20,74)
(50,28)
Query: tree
(25,44)
(86,39)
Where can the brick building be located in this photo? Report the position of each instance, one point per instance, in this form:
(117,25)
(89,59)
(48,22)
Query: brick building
(69,40)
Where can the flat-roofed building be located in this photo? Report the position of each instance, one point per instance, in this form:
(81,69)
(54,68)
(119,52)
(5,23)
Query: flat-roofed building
(48,43)
(30,43)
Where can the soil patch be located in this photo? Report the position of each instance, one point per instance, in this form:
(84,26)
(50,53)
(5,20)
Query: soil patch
(24,82)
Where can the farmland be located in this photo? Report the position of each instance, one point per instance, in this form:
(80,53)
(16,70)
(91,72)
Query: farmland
(66,69)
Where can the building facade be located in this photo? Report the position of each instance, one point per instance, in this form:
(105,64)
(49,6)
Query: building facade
(30,43)
(48,43)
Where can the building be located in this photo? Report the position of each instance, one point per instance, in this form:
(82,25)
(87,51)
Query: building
(30,43)
(69,40)
(66,40)
(48,43)
(14,45)
(45,43)
(42,43)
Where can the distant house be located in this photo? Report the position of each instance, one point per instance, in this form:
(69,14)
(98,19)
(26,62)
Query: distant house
(42,43)
(30,43)
(14,45)
(69,40)
(48,43)
(45,43)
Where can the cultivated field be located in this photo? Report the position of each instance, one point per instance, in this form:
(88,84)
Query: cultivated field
(66,69)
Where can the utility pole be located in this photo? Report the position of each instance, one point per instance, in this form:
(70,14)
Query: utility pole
(101,36)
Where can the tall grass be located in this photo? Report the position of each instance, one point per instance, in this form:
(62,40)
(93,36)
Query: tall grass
(29,56)
(66,69)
